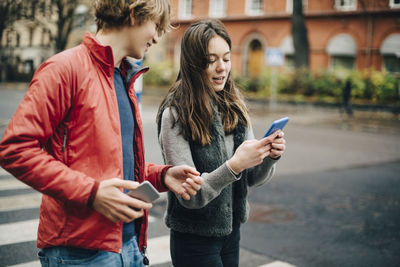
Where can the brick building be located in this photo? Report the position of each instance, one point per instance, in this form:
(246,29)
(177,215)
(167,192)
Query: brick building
(354,34)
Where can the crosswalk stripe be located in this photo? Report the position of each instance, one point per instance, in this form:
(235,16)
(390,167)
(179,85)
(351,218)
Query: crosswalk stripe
(3,172)
(158,250)
(18,202)
(277,264)
(26,231)
(28,264)
(12,183)
(18,232)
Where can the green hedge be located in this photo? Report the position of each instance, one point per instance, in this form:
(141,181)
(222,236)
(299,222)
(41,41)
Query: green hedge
(161,74)
(368,86)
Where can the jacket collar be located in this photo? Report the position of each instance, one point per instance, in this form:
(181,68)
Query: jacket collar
(104,55)
(129,70)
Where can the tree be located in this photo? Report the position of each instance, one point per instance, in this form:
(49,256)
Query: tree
(65,20)
(56,17)
(300,38)
(9,12)
(39,10)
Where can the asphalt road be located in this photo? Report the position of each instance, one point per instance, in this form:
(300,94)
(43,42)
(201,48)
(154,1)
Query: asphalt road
(334,200)
(346,217)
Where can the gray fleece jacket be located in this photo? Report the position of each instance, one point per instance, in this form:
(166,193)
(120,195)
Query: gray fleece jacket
(176,151)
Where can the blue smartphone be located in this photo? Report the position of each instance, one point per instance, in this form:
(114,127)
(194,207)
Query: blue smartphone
(277,125)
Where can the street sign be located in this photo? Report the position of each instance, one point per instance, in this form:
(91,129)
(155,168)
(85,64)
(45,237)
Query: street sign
(274,57)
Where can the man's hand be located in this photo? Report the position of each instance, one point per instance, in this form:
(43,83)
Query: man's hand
(115,205)
(183,181)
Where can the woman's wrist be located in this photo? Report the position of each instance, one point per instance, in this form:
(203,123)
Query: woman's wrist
(232,166)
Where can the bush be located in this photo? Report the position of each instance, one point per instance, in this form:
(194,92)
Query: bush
(368,86)
(161,74)
(384,87)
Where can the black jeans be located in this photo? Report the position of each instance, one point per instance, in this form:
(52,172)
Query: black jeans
(194,250)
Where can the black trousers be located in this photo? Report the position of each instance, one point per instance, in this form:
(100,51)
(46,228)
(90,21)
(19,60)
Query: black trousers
(199,251)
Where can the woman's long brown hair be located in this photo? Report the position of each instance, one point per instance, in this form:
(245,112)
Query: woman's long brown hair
(192,94)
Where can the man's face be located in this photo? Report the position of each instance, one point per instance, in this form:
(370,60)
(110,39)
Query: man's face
(141,37)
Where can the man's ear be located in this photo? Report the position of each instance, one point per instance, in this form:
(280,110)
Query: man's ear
(131,19)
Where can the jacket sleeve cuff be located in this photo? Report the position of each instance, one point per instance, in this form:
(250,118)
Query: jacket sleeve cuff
(93,193)
(163,172)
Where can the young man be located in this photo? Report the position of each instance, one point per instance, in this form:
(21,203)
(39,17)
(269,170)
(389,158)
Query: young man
(77,138)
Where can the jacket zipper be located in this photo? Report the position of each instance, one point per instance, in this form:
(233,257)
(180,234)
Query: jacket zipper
(145,258)
(64,146)
(64,140)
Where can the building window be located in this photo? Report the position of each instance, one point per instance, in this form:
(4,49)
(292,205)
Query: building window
(343,51)
(18,43)
(254,7)
(80,16)
(394,3)
(217,8)
(287,49)
(185,9)
(342,62)
(390,51)
(289,62)
(346,5)
(289,6)
(391,63)
(9,35)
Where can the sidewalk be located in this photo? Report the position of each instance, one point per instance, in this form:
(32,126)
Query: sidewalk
(23,86)
(308,114)
(363,119)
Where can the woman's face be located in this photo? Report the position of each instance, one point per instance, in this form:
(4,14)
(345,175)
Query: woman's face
(219,62)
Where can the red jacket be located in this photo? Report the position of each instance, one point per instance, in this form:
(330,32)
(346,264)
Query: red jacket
(65,138)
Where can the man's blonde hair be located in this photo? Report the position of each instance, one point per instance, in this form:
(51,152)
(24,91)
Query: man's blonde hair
(114,14)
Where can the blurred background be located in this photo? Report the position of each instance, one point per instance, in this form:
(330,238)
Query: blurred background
(317,46)
(332,66)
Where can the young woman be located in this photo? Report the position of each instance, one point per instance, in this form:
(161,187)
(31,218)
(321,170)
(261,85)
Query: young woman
(203,122)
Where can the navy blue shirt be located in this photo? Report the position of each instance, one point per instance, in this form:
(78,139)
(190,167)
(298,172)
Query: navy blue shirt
(127,134)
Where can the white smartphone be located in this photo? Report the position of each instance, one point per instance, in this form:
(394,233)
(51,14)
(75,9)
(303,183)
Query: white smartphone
(145,191)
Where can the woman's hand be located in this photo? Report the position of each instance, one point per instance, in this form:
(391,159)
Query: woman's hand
(278,146)
(251,153)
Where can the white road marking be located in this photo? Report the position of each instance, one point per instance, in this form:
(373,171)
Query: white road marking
(25,231)
(28,264)
(12,183)
(18,202)
(277,264)
(158,250)
(18,232)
